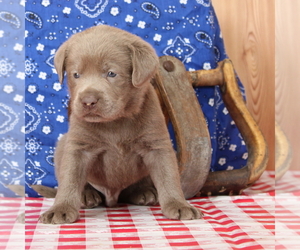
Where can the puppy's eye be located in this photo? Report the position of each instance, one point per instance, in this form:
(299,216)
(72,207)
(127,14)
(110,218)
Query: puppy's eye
(111,74)
(76,75)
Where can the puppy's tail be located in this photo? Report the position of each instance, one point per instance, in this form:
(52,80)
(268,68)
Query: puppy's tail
(44,191)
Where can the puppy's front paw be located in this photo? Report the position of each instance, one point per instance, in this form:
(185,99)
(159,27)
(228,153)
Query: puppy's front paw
(60,214)
(177,210)
(145,197)
(90,198)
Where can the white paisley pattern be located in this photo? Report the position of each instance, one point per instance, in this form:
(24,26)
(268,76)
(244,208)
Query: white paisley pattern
(33,118)
(6,68)
(180,48)
(8,118)
(205,3)
(91,9)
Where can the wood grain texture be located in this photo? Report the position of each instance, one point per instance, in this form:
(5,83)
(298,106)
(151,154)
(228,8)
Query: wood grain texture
(248,29)
(287,79)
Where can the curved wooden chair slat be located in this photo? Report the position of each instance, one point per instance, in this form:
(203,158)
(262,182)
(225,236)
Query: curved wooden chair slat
(283,153)
(174,86)
(192,136)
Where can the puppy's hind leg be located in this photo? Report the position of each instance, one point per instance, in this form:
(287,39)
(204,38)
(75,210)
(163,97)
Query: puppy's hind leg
(140,193)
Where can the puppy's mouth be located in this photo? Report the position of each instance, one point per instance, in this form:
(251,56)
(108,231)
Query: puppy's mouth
(96,117)
(91,117)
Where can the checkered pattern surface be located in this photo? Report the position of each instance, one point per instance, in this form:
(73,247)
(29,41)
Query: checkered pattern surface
(288,211)
(12,235)
(230,222)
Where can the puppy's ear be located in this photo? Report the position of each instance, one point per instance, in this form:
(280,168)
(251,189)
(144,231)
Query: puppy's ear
(59,61)
(144,62)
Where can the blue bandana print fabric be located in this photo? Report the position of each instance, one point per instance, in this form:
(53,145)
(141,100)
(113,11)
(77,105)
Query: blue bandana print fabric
(12,78)
(186,29)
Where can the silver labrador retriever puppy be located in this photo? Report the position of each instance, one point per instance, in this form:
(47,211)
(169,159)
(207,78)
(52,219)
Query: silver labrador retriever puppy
(118,142)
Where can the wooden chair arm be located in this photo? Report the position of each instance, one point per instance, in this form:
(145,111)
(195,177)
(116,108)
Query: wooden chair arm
(182,110)
(180,104)
(283,152)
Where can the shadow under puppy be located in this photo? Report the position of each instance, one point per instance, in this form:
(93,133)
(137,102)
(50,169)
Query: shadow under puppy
(118,142)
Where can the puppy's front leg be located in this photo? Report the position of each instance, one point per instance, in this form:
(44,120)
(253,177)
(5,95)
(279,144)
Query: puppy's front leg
(71,177)
(163,168)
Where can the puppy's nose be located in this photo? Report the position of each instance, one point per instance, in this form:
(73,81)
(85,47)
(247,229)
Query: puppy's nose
(89,101)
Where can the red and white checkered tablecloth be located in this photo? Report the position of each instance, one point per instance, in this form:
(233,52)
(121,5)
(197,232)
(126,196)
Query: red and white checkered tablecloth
(230,222)
(287,220)
(12,233)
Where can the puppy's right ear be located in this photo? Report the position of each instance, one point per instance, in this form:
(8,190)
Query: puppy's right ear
(144,62)
(59,61)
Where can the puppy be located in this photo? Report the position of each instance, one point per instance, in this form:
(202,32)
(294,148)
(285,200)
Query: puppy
(117,148)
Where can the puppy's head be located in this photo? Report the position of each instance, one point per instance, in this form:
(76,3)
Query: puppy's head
(108,71)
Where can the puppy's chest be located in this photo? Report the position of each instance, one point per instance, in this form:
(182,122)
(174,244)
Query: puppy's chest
(120,153)
(118,166)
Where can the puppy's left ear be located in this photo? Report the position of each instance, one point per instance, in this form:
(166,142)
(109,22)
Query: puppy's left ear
(59,61)
(144,62)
